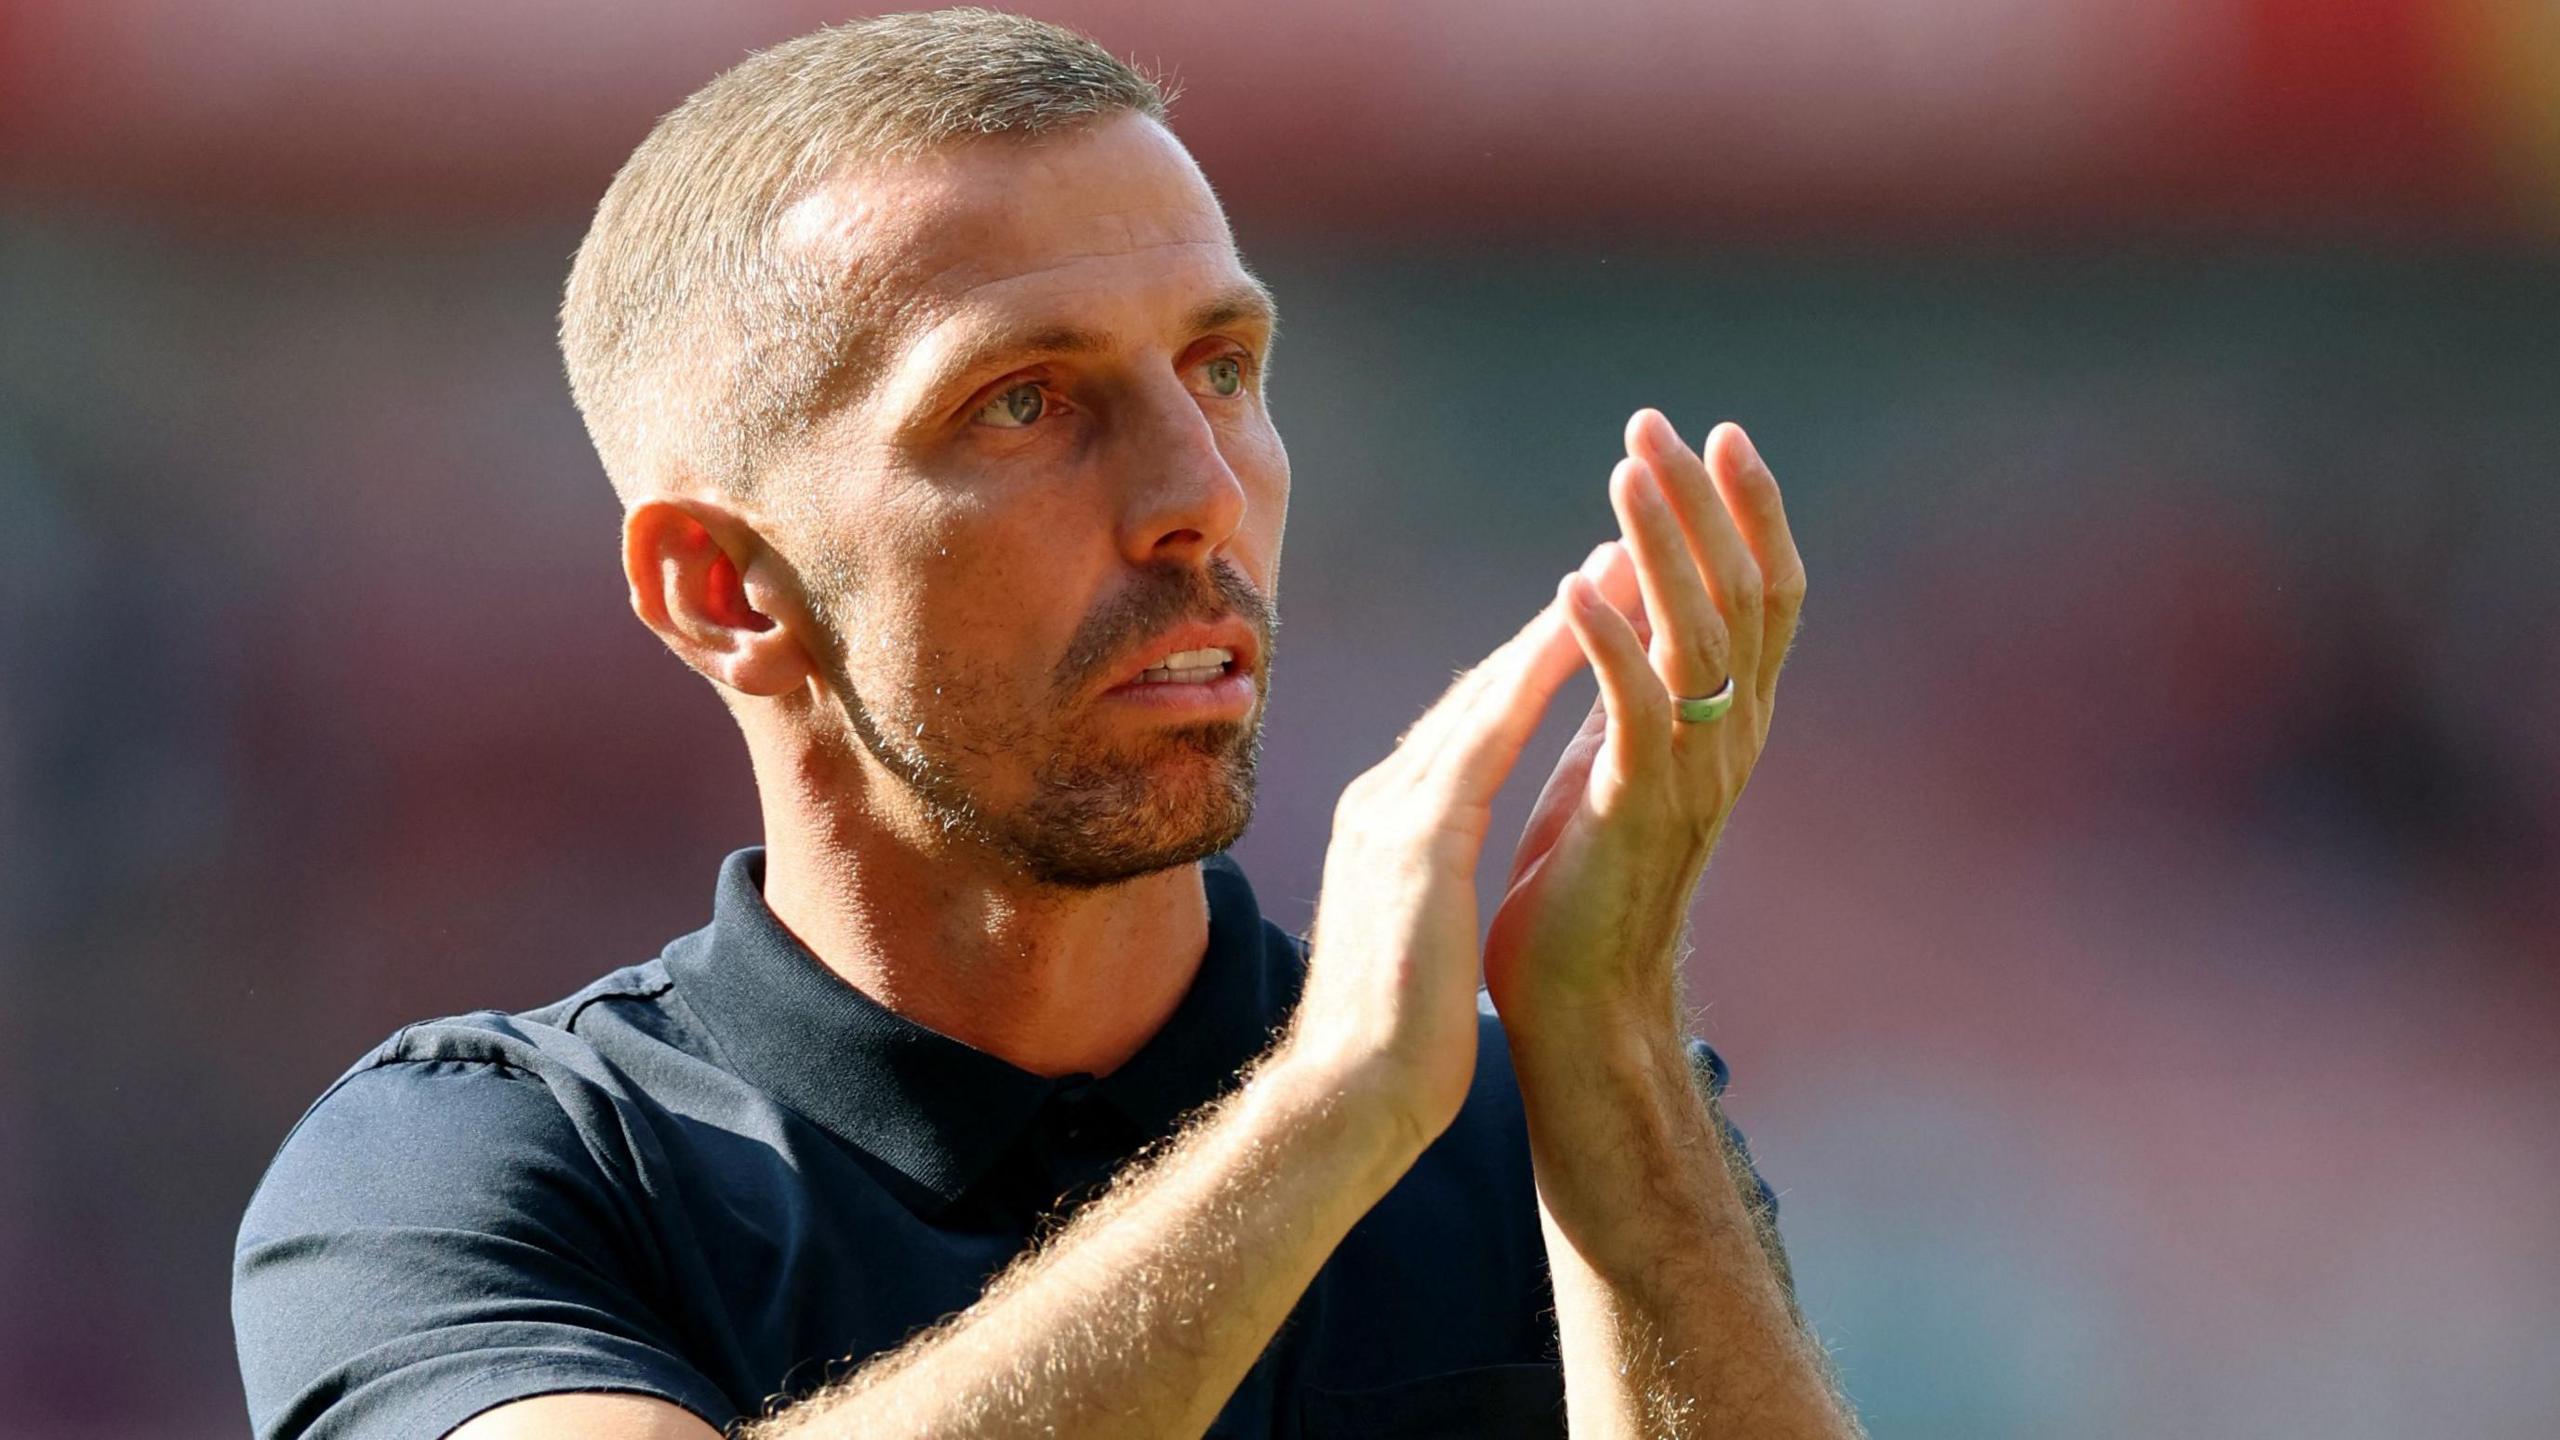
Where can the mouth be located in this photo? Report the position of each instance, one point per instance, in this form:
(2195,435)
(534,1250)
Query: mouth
(1188,667)
(1203,670)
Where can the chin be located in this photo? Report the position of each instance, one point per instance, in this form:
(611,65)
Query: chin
(1089,829)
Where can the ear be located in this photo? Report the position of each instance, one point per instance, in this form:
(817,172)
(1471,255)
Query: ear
(687,561)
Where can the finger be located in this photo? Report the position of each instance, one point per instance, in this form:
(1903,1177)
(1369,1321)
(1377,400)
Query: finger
(1639,708)
(1613,569)
(1429,729)
(1562,795)
(1751,494)
(1607,565)
(1731,571)
(1478,729)
(1609,569)
(1690,644)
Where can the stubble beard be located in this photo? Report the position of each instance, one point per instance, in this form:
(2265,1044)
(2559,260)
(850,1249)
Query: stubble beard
(1095,815)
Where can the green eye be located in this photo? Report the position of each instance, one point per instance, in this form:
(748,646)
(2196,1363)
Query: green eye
(1226,376)
(1020,406)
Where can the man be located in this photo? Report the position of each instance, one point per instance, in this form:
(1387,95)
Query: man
(925,365)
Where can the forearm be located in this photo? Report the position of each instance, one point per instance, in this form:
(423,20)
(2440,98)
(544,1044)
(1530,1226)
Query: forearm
(1676,1320)
(1144,1313)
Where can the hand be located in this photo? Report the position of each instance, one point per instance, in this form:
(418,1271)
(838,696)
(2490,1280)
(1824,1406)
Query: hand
(1589,927)
(1389,1009)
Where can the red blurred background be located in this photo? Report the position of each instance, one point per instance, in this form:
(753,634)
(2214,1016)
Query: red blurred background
(2136,953)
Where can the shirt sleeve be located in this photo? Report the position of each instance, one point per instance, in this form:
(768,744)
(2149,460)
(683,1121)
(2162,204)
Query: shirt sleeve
(437,1238)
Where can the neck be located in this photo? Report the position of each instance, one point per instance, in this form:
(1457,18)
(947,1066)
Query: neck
(1056,982)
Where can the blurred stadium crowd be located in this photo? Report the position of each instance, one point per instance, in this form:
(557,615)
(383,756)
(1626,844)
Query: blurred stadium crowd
(2139,953)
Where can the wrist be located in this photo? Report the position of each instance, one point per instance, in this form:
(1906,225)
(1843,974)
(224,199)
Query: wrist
(1622,1035)
(1608,1085)
(1355,1107)
(1628,1161)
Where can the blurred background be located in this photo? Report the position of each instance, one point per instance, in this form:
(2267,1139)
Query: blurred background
(2140,949)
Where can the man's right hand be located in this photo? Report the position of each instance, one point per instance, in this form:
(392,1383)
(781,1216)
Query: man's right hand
(1389,1012)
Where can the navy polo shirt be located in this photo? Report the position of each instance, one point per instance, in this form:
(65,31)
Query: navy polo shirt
(725,1177)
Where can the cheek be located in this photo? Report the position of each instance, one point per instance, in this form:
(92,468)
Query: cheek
(985,606)
(878,593)
(1261,464)
(1270,477)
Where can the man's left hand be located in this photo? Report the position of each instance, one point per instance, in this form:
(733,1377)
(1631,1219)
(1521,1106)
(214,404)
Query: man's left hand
(1587,937)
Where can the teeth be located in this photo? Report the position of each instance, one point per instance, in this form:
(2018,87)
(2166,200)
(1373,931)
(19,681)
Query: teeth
(1188,667)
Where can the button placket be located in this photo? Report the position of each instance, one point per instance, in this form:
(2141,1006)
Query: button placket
(1072,1141)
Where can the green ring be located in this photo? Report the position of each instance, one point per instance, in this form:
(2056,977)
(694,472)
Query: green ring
(1699,712)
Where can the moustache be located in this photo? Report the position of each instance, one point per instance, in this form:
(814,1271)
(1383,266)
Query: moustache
(1156,601)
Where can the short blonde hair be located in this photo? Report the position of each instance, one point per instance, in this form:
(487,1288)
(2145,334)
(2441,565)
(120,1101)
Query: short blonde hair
(693,345)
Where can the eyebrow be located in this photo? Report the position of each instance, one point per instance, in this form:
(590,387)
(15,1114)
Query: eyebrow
(1249,302)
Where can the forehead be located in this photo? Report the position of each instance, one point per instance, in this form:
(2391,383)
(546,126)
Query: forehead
(1109,217)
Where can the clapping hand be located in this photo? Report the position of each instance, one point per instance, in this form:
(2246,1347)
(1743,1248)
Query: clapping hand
(1703,586)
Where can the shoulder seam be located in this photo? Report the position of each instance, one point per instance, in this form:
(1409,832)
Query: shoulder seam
(651,991)
(491,1061)
(384,1055)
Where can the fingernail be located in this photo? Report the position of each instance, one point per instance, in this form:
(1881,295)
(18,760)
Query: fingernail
(1748,449)
(1660,426)
(1597,563)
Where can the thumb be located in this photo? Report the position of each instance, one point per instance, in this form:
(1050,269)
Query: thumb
(1563,793)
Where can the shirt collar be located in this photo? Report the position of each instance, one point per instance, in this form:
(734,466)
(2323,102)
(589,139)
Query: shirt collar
(932,1108)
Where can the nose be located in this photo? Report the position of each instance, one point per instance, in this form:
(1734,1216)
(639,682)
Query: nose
(1182,499)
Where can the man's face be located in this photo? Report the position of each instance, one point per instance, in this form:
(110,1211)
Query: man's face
(1064,477)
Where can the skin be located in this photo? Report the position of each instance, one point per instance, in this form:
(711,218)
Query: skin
(985,551)
(918,570)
